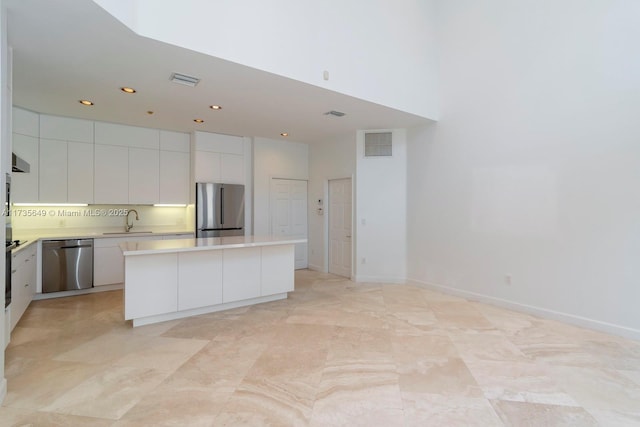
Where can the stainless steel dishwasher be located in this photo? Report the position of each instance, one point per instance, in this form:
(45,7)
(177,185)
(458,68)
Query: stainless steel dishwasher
(67,265)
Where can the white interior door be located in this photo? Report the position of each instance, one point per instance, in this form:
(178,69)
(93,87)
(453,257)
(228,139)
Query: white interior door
(340,227)
(289,213)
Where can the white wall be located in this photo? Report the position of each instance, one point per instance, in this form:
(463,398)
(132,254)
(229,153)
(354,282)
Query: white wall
(534,168)
(5,148)
(381,213)
(327,160)
(379,51)
(274,159)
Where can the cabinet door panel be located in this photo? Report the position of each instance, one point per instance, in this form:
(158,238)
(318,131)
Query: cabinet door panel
(111,185)
(24,186)
(108,266)
(241,274)
(144,175)
(232,169)
(126,136)
(53,171)
(199,279)
(277,269)
(207,166)
(66,128)
(151,277)
(80,173)
(174,177)
(175,141)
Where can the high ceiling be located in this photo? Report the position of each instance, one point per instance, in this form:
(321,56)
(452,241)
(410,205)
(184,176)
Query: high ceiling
(67,50)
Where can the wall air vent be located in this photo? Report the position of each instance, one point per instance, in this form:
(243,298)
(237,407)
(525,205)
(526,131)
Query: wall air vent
(183,79)
(334,113)
(377,144)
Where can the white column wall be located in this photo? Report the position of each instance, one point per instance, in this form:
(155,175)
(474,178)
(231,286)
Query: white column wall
(381,213)
(533,171)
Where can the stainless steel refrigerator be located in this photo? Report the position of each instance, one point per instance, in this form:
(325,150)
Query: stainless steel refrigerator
(219,210)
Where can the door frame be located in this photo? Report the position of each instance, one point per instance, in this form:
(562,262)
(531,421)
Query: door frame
(327,212)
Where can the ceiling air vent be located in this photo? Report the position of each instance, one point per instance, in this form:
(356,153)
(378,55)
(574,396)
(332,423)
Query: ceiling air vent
(183,79)
(334,113)
(377,144)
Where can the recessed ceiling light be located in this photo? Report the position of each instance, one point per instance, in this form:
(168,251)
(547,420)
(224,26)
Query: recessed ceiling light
(149,112)
(128,89)
(215,107)
(85,102)
(284,134)
(334,113)
(198,120)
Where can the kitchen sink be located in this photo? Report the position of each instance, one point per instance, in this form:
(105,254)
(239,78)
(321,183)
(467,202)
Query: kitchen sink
(126,233)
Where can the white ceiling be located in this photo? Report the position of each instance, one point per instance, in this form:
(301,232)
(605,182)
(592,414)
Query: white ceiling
(66,50)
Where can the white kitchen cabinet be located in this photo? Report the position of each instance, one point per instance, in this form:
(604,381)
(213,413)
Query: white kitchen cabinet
(80,172)
(151,277)
(200,279)
(25,122)
(111,176)
(207,166)
(25,185)
(277,272)
(174,141)
(144,174)
(241,274)
(53,171)
(108,261)
(23,281)
(66,129)
(231,169)
(174,177)
(219,143)
(126,136)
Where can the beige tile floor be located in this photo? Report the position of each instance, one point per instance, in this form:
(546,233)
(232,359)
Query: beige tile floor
(334,353)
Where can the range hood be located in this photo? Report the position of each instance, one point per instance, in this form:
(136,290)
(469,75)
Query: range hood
(18,164)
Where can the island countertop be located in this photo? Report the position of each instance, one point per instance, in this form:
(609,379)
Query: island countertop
(205,244)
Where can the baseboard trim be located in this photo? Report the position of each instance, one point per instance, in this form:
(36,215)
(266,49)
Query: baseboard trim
(3,390)
(379,279)
(585,322)
(314,267)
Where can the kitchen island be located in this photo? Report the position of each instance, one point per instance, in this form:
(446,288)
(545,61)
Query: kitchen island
(172,279)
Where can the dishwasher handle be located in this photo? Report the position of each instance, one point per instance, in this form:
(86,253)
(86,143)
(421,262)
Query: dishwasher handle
(75,246)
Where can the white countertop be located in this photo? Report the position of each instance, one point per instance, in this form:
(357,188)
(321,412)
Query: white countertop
(204,244)
(95,233)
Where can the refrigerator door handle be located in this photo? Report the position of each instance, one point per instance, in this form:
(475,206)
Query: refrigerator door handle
(222,206)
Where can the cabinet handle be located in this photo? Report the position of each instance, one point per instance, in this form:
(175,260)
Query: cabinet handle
(13,271)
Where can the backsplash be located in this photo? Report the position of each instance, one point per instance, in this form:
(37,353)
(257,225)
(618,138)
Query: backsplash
(98,216)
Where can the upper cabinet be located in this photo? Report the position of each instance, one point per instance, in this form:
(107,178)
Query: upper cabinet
(81,161)
(127,136)
(66,129)
(66,160)
(219,158)
(174,167)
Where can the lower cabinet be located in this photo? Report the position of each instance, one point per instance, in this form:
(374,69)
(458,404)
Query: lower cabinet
(200,279)
(108,261)
(166,283)
(156,286)
(23,281)
(241,274)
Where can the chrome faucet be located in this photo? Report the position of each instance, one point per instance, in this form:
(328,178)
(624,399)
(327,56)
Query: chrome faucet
(129,227)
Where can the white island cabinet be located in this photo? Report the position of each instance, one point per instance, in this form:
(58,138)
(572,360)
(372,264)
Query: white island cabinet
(172,279)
